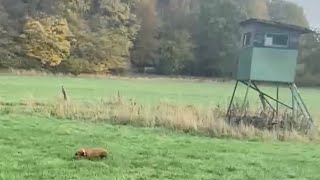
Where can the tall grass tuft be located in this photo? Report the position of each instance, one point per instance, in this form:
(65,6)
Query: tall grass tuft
(189,119)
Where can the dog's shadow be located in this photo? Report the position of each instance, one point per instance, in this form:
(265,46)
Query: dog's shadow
(95,159)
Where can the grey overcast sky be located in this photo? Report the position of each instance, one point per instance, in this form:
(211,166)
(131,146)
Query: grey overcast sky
(312,11)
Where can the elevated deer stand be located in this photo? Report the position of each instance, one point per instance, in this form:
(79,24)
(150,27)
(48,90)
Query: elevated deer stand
(269,55)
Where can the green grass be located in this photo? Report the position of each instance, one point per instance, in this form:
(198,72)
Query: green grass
(40,148)
(35,147)
(149,92)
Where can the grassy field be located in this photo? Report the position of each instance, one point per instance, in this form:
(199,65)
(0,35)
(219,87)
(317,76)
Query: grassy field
(34,144)
(144,91)
(42,148)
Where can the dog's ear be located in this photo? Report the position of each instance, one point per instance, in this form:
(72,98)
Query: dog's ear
(83,152)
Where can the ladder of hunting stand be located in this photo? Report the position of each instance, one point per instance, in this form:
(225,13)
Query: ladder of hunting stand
(300,103)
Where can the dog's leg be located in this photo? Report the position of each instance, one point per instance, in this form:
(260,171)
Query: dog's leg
(102,156)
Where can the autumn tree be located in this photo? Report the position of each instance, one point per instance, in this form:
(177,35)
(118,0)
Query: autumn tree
(287,12)
(190,37)
(104,31)
(145,44)
(176,53)
(217,37)
(310,54)
(47,39)
(256,8)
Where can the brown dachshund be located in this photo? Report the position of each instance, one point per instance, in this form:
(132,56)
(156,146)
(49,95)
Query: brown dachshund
(90,153)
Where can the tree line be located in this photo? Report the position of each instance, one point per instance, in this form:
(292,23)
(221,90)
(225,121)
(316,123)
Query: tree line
(175,37)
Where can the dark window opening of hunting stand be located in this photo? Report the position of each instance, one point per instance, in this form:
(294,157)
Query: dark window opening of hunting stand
(276,40)
(246,39)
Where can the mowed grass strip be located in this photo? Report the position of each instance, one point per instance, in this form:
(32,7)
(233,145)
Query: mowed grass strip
(144,91)
(42,148)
